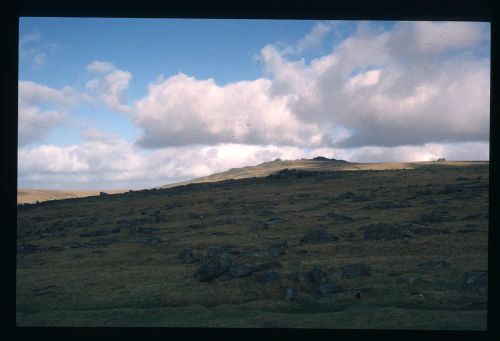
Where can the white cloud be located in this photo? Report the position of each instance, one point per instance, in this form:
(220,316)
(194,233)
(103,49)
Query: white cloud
(311,40)
(107,161)
(31,49)
(30,38)
(100,67)
(34,121)
(369,87)
(183,110)
(110,86)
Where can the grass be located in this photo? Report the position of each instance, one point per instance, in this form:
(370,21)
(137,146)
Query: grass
(128,283)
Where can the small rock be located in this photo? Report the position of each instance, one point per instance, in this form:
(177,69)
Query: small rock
(27,248)
(355,270)
(268,277)
(186,256)
(219,249)
(290,293)
(328,288)
(382,231)
(319,277)
(437,216)
(433,264)
(475,281)
(240,270)
(316,236)
(277,249)
(213,266)
(152,241)
(98,233)
(338,217)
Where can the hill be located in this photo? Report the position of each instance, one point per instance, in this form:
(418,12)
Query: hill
(384,249)
(28,195)
(316,164)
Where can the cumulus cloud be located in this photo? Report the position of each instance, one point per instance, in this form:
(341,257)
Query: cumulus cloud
(410,85)
(100,67)
(370,87)
(110,85)
(182,110)
(30,38)
(104,160)
(34,120)
(311,40)
(30,48)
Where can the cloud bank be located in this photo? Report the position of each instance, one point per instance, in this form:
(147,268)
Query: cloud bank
(417,91)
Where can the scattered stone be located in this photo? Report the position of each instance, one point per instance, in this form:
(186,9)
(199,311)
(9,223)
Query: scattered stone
(290,293)
(227,221)
(152,241)
(195,226)
(381,205)
(427,231)
(467,230)
(277,249)
(159,217)
(360,198)
(475,281)
(382,231)
(186,256)
(346,195)
(450,189)
(304,278)
(268,277)
(355,270)
(437,216)
(143,230)
(479,216)
(220,249)
(316,236)
(329,288)
(27,249)
(409,280)
(268,265)
(213,266)
(53,248)
(240,270)
(433,264)
(338,217)
(267,223)
(98,233)
(319,277)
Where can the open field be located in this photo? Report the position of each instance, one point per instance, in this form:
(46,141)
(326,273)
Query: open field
(28,195)
(370,249)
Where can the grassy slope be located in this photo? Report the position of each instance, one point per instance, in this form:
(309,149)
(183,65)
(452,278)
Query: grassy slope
(266,168)
(28,195)
(131,284)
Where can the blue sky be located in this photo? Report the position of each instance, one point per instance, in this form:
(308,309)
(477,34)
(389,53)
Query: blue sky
(153,89)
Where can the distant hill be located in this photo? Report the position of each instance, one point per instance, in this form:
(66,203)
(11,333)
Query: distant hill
(319,163)
(27,195)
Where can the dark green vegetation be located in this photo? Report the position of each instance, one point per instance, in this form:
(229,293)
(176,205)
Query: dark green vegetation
(391,249)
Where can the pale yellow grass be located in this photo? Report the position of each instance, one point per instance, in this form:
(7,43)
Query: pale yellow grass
(34,195)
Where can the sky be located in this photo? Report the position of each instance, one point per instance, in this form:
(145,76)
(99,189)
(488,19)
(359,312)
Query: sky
(139,103)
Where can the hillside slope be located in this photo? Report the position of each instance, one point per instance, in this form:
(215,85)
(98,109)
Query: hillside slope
(28,195)
(267,168)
